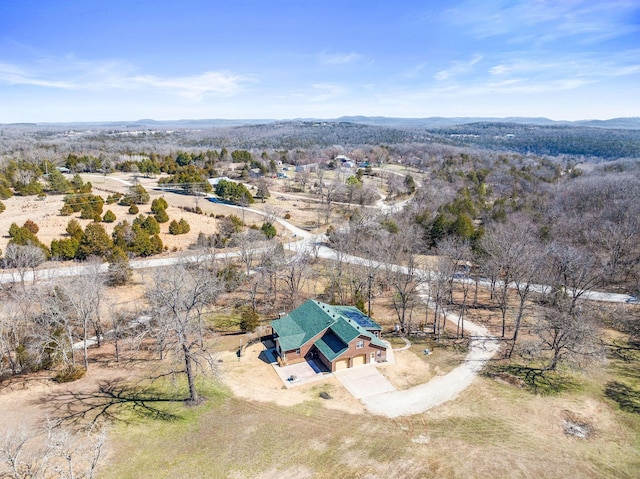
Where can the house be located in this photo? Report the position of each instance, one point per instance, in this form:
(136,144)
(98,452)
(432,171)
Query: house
(214,181)
(338,336)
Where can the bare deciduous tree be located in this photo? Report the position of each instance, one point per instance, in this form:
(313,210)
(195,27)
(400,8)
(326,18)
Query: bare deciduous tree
(62,454)
(177,297)
(567,335)
(24,258)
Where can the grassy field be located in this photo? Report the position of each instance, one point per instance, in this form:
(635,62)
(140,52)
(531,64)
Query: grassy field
(491,430)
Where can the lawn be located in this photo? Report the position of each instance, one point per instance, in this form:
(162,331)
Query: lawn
(491,430)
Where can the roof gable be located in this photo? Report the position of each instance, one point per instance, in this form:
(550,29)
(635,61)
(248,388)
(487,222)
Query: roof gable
(330,345)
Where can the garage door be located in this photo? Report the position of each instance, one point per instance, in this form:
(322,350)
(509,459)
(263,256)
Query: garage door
(358,360)
(342,364)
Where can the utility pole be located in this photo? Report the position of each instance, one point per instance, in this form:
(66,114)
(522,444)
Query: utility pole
(370,280)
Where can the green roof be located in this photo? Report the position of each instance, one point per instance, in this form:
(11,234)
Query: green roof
(331,345)
(313,317)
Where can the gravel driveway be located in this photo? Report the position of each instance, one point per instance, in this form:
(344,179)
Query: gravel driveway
(440,389)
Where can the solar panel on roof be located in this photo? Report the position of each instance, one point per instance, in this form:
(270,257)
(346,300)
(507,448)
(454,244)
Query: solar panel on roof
(360,318)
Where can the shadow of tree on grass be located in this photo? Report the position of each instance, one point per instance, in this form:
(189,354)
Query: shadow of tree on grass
(114,400)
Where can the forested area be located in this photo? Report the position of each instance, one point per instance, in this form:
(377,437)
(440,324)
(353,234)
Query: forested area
(513,231)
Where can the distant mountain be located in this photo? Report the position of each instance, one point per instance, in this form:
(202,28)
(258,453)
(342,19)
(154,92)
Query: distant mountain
(631,123)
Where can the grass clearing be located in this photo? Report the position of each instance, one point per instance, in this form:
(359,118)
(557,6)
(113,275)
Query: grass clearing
(492,430)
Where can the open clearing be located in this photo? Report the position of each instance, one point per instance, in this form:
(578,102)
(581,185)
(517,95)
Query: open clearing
(251,426)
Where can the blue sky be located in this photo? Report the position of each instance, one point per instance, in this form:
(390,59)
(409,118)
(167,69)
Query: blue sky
(88,60)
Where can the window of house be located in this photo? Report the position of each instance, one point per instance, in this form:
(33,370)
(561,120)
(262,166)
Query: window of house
(298,351)
(360,344)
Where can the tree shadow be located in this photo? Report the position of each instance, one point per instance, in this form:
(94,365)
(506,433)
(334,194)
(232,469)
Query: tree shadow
(537,380)
(114,400)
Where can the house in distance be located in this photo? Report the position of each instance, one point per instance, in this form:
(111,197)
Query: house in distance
(340,337)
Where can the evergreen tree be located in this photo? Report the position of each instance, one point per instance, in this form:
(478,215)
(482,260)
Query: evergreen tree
(74,229)
(269,230)
(58,184)
(109,217)
(161,216)
(158,204)
(64,249)
(94,242)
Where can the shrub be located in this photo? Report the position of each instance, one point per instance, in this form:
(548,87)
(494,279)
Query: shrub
(249,320)
(109,217)
(13,230)
(66,210)
(64,249)
(158,204)
(2,207)
(133,209)
(114,198)
(148,224)
(137,196)
(69,374)
(179,227)
(119,271)
(94,242)
(31,226)
(74,229)
(184,225)
(161,216)
(269,230)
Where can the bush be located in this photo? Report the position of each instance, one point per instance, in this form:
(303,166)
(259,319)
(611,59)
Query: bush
(269,230)
(179,227)
(114,198)
(133,209)
(109,217)
(158,204)
(64,249)
(66,210)
(119,271)
(161,216)
(31,226)
(2,207)
(74,229)
(137,196)
(69,374)
(249,320)
(148,224)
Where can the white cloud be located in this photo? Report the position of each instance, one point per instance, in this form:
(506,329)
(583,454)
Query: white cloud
(458,68)
(320,92)
(339,58)
(214,83)
(545,20)
(69,74)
